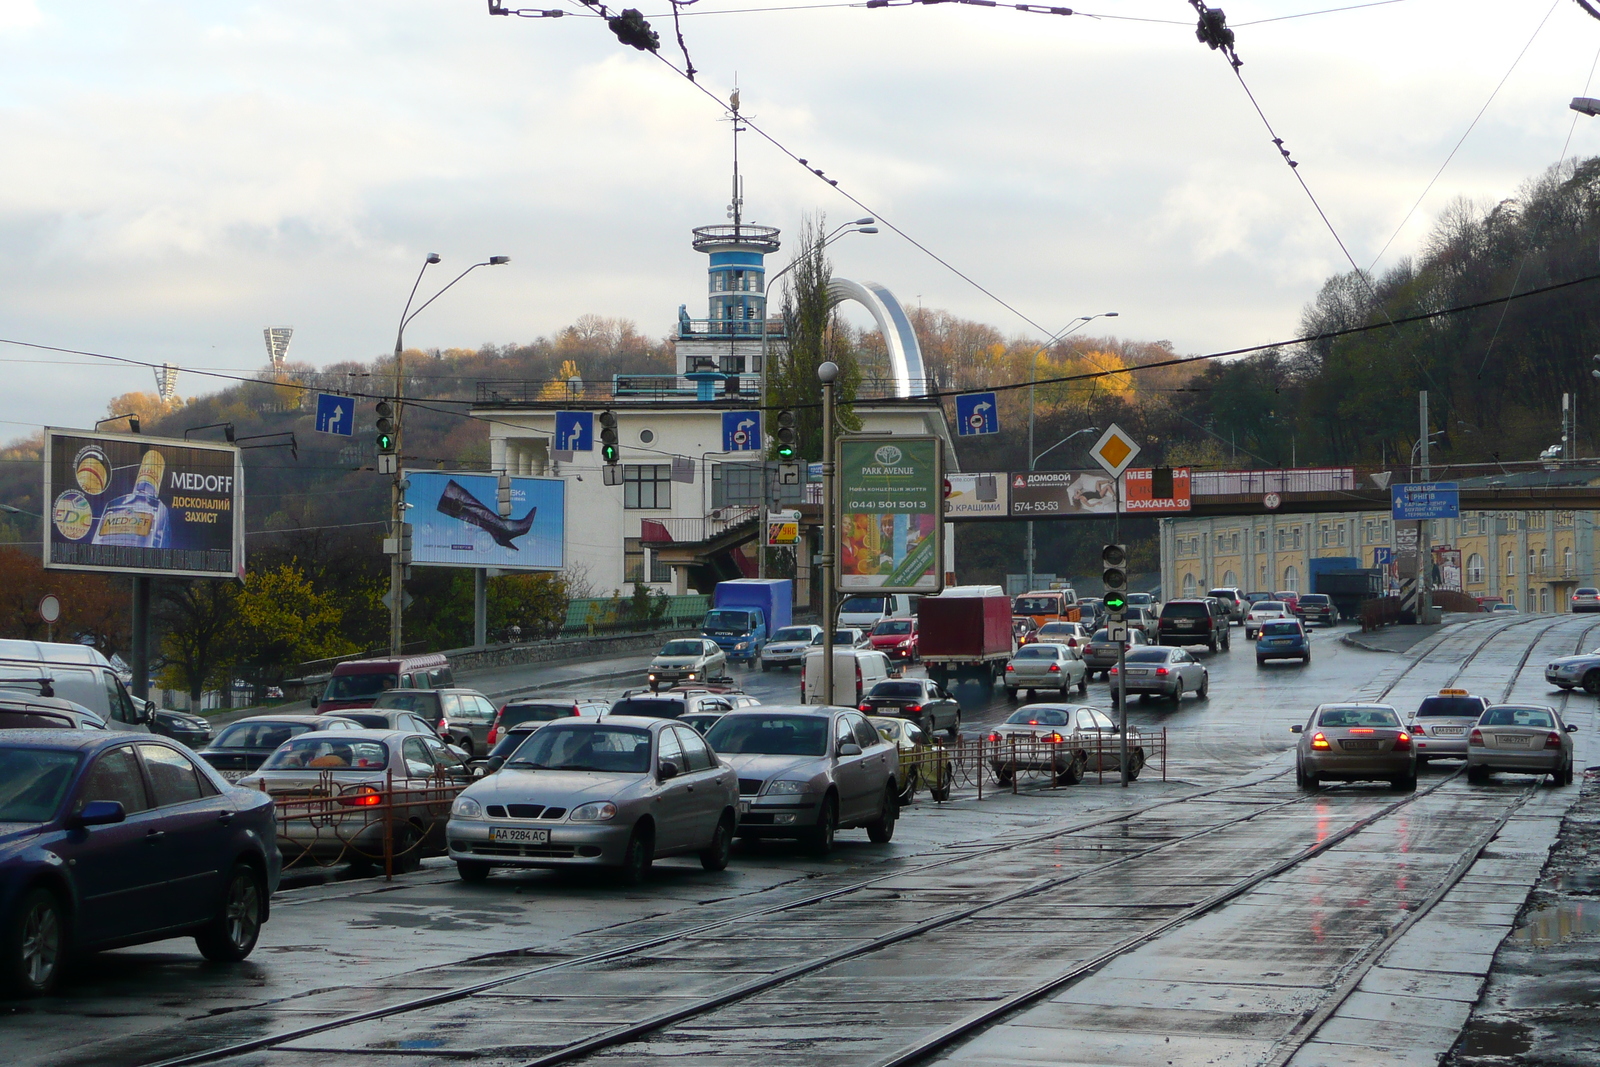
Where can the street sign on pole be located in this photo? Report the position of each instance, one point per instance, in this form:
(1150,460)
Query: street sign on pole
(741,431)
(976,414)
(1115,451)
(1425,500)
(575,431)
(336,414)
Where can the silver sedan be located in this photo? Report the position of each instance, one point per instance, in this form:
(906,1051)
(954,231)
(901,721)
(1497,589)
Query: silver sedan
(1569,672)
(1066,740)
(615,793)
(1521,739)
(1355,742)
(1165,672)
(687,659)
(1046,665)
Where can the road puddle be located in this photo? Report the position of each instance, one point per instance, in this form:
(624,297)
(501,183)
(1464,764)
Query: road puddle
(1558,923)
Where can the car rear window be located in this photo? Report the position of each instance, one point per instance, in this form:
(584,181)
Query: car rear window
(424,703)
(323,753)
(1059,629)
(1269,605)
(259,734)
(512,714)
(862,605)
(896,690)
(33,719)
(1037,605)
(1148,655)
(1038,652)
(1460,707)
(32,782)
(371,722)
(649,707)
(1226,594)
(1281,629)
(359,686)
(1537,718)
(1587,591)
(1038,717)
(1185,611)
(1346,717)
(1314,598)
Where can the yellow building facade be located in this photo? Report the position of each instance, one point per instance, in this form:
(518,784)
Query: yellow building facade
(1533,559)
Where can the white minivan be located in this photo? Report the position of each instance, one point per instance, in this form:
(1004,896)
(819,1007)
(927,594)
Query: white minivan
(855,672)
(867,610)
(77,673)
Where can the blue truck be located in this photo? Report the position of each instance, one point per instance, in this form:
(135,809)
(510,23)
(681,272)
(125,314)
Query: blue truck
(745,612)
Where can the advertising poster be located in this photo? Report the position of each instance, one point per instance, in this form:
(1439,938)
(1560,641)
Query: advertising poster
(978,496)
(891,493)
(456,522)
(1136,496)
(783,528)
(1447,568)
(132,504)
(1062,494)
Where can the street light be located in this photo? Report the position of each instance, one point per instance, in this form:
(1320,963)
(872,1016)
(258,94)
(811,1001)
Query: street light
(397,567)
(1031,462)
(1585,105)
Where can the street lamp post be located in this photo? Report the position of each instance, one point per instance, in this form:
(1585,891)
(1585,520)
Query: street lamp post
(1033,368)
(858,226)
(397,492)
(826,374)
(1032,462)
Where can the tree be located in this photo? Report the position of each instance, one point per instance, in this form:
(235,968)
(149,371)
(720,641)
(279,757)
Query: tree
(282,622)
(813,339)
(198,616)
(537,603)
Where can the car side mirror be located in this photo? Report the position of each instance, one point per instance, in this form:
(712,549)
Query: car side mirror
(1571,729)
(849,748)
(667,770)
(493,763)
(1295,729)
(99,813)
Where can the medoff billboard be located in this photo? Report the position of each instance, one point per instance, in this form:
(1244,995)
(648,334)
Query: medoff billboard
(456,522)
(131,504)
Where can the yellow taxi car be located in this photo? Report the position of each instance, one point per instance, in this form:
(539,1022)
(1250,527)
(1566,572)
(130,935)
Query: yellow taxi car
(922,764)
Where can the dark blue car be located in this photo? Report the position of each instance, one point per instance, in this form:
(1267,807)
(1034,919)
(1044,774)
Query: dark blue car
(111,839)
(1283,639)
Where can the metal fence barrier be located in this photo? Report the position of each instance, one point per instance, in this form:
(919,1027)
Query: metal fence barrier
(362,824)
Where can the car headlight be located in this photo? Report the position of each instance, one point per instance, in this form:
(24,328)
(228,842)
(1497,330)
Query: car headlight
(786,788)
(741,646)
(904,644)
(597,811)
(466,808)
(691,676)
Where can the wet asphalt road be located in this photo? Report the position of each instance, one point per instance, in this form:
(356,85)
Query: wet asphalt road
(1205,919)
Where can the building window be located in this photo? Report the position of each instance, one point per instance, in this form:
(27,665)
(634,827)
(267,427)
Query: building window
(659,571)
(1283,540)
(1530,563)
(1385,528)
(1324,535)
(1261,540)
(1511,564)
(1188,585)
(1297,537)
(1544,560)
(632,560)
(1475,569)
(1342,534)
(1566,562)
(1511,597)
(646,485)
(1291,579)
(1230,579)
(1544,599)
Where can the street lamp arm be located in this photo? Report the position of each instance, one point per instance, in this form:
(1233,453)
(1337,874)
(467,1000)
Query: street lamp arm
(1058,444)
(407,321)
(432,258)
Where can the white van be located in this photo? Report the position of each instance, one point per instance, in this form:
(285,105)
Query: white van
(868,609)
(77,673)
(855,672)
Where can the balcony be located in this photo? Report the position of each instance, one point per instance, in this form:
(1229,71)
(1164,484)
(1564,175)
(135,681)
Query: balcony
(654,533)
(698,329)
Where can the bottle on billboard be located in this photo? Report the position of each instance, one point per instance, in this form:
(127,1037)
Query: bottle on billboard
(138,519)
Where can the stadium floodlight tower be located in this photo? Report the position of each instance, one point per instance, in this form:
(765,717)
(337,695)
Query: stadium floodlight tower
(278,344)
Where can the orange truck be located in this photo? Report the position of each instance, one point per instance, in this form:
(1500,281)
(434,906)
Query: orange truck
(1047,605)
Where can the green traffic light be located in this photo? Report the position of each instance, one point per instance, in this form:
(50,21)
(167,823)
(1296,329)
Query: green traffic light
(609,453)
(785,451)
(385,442)
(1115,602)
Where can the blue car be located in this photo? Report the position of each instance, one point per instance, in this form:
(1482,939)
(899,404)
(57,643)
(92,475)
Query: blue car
(110,839)
(1283,639)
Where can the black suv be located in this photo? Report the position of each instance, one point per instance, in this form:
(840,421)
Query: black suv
(1194,621)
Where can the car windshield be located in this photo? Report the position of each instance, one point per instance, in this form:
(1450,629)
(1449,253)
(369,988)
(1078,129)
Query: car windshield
(793,633)
(1457,707)
(1268,605)
(681,648)
(1140,598)
(1058,629)
(701,722)
(649,707)
(1100,635)
(1226,594)
(1037,605)
(610,749)
(771,735)
(1586,591)
(1281,629)
(1038,652)
(32,782)
(1149,655)
(1038,717)
(259,735)
(359,686)
(323,753)
(862,605)
(1346,717)
(896,690)
(1538,718)
(423,702)
(370,721)
(512,714)
(893,626)
(727,621)
(1316,599)
(1185,611)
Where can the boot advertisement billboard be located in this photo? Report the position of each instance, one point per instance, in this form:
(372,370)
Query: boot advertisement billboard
(456,521)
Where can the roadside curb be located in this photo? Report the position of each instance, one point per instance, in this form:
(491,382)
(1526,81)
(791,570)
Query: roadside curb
(567,683)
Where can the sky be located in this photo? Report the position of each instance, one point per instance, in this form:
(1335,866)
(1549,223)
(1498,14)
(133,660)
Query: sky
(179,175)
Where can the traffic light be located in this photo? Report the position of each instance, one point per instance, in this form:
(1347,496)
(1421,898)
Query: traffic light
(608,437)
(1114,568)
(385,426)
(787,439)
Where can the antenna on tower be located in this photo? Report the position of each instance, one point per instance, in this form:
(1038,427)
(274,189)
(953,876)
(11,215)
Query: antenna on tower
(278,344)
(736,208)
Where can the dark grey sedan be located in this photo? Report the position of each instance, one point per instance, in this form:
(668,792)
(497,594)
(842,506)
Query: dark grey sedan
(1164,672)
(1100,654)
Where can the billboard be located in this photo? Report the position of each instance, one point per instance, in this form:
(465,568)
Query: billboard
(1080,494)
(456,522)
(977,496)
(891,495)
(1136,486)
(131,504)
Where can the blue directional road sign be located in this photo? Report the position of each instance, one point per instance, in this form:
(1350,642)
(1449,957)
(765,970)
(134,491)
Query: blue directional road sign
(1382,556)
(336,414)
(741,431)
(1425,500)
(976,414)
(574,431)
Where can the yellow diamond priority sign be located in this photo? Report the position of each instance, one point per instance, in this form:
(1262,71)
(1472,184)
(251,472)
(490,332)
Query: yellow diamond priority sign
(1114,451)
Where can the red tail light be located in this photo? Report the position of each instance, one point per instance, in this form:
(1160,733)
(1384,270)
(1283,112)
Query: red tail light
(913,707)
(1113,670)
(1009,667)
(1161,670)
(994,737)
(1552,740)
(1055,668)
(1052,739)
(494,732)
(1476,737)
(1319,740)
(1403,742)
(866,707)
(365,797)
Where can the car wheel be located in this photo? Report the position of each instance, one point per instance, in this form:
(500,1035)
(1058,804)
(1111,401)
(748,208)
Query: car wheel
(1135,763)
(1083,685)
(35,945)
(466,745)
(1478,775)
(1212,644)
(1072,773)
(908,793)
(1004,773)
(1205,686)
(1261,661)
(819,839)
(1305,660)
(765,666)
(881,830)
(473,871)
(717,854)
(955,728)
(1591,682)
(1406,783)
(407,849)
(637,859)
(232,932)
(1310,782)
(1011,693)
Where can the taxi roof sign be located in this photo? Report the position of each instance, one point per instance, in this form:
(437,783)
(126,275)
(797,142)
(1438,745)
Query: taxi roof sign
(1454,693)
(1115,451)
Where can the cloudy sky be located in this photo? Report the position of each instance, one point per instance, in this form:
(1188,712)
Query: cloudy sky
(179,175)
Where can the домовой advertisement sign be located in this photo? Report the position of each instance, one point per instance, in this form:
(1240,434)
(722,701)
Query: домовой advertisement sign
(891,495)
(456,521)
(142,505)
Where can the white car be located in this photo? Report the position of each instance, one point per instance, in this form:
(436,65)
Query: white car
(787,647)
(687,659)
(1046,665)
(1264,611)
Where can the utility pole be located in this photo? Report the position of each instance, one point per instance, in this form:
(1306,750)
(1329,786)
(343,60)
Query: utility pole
(1424,527)
(826,374)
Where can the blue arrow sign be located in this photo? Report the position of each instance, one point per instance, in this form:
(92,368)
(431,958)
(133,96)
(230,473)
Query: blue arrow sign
(1425,500)
(574,431)
(976,414)
(336,414)
(741,431)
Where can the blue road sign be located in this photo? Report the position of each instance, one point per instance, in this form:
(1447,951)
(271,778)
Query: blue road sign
(1425,500)
(336,414)
(1382,556)
(976,414)
(741,431)
(574,431)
